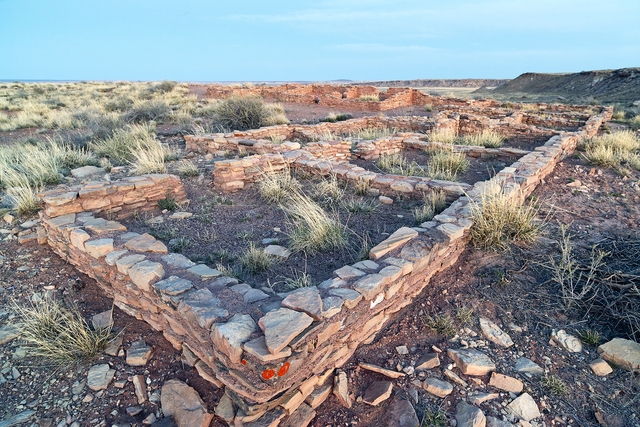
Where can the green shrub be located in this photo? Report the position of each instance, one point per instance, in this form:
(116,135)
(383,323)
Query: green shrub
(250,112)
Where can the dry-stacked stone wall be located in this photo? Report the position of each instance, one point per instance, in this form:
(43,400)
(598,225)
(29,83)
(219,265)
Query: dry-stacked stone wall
(275,354)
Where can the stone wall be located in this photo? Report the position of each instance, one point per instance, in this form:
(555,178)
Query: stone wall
(276,354)
(117,199)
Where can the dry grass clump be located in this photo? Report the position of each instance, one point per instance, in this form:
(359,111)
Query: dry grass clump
(275,187)
(328,190)
(313,230)
(186,168)
(434,203)
(256,260)
(374,133)
(360,205)
(249,112)
(369,98)
(397,164)
(59,333)
(634,122)
(447,165)
(442,324)
(446,136)
(120,147)
(614,150)
(298,280)
(499,219)
(486,138)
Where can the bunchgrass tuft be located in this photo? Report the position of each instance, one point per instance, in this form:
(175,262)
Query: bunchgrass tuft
(590,337)
(328,190)
(313,230)
(554,385)
(446,136)
(486,138)
(442,324)
(299,279)
(397,164)
(360,205)
(57,333)
(275,187)
(374,133)
(499,219)
(446,165)
(250,112)
(186,168)
(613,150)
(256,260)
(434,203)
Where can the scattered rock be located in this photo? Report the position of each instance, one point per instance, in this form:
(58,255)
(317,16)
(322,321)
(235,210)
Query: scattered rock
(471,361)
(386,372)
(506,383)
(494,422)
(402,349)
(140,388)
(100,376)
(528,366)
(566,341)
(469,416)
(402,414)
(138,354)
(113,346)
(455,378)
(278,251)
(17,419)
(102,320)
(437,387)
(341,388)
(181,215)
(9,333)
(494,334)
(524,407)
(427,361)
(623,353)
(134,410)
(483,397)
(85,171)
(151,418)
(385,200)
(319,395)
(377,392)
(184,404)
(600,367)
(225,408)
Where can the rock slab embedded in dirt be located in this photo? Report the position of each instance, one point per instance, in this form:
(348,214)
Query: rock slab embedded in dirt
(138,354)
(341,388)
(8,333)
(100,376)
(85,171)
(506,383)
(494,334)
(278,251)
(281,326)
(427,361)
(528,366)
(471,361)
(566,341)
(524,407)
(184,404)
(225,409)
(622,352)
(600,367)
(17,419)
(379,369)
(301,417)
(377,392)
(437,387)
(402,414)
(469,416)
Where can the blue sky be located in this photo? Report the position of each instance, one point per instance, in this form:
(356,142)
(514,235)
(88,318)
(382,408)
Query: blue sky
(240,40)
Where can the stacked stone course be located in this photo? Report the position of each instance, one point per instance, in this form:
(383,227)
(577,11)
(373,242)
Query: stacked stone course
(277,355)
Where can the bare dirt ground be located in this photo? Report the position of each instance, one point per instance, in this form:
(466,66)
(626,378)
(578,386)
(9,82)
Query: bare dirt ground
(508,288)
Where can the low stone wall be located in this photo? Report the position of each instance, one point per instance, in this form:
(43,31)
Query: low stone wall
(276,354)
(117,199)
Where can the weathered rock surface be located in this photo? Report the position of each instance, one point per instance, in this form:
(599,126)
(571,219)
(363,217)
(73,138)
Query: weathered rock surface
(398,238)
(278,251)
(479,398)
(307,300)
(524,407)
(377,392)
(184,404)
(528,366)
(229,337)
(17,419)
(600,367)
(281,326)
(566,341)
(427,361)
(494,334)
(379,369)
(437,387)
(341,388)
(138,354)
(506,383)
(9,333)
(301,417)
(622,352)
(471,361)
(100,376)
(225,408)
(402,414)
(469,416)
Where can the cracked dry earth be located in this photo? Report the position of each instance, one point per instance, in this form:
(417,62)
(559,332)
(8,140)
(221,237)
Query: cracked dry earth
(417,377)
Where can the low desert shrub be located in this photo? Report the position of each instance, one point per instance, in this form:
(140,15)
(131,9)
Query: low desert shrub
(58,333)
(499,219)
(146,111)
(251,112)
(313,230)
(613,150)
(169,203)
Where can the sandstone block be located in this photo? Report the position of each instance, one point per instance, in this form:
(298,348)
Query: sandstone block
(144,273)
(281,326)
(229,337)
(98,248)
(471,361)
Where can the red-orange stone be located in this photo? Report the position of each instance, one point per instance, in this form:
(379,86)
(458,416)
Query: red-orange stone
(267,374)
(283,369)
(243,361)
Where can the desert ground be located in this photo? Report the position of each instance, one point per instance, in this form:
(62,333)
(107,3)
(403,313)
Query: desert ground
(559,291)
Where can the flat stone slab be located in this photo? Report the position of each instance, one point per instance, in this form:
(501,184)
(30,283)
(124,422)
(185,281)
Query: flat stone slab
(201,307)
(331,306)
(366,265)
(301,417)
(85,171)
(307,300)
(172,286)
(146,243)
(524,407)
(528,366)
(99,247)
(402,414)
(471,361)
(100,376)
(600,367)
(370,285)
(437,387)
(102,320)
(427,361)
(351,298)
(379,369)
(479,398)
(181,215)
(204,272)
(622,352)
(347,272)
(341,388)
(112,257)
(144,273)
(253,295)
(377,392)
(101,226)
(494,334)
(184,404)
(229,337)
(138,354)
(9,333)
(281,326)
(506,383)
(398,238)
(278,251)
(258,348)
(124,263)
(178,261)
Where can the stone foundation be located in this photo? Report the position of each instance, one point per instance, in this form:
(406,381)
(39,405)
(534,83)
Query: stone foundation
(273,354)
